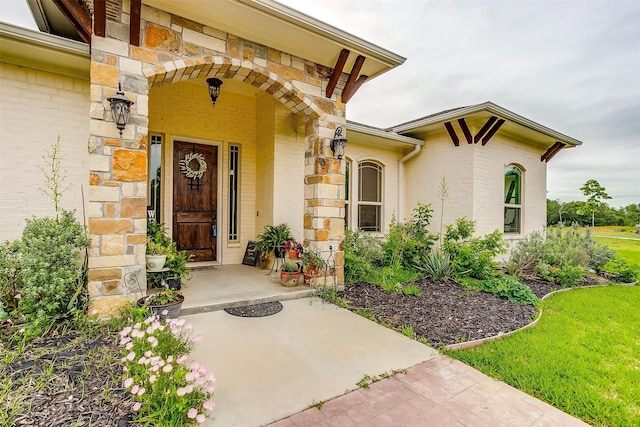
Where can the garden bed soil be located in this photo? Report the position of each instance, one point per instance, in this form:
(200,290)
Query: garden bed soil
(446,312)
(72,389)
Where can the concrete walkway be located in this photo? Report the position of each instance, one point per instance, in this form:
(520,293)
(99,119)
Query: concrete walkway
(271,367)
(274,367)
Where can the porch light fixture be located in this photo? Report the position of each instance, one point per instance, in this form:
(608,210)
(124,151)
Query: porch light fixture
(120,109)
(338,143)
(214,88)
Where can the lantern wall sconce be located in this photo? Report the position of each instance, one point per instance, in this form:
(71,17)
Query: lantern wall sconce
(120,105)
(338,143)
(214,88)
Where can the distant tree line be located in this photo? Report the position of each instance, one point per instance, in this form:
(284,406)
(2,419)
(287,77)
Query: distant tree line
(573,212)
(595,211)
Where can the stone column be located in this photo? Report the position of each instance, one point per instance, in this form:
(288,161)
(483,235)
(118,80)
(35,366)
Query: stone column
(324,193)
(117,180)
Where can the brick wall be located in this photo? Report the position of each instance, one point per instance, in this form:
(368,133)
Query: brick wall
(38,107)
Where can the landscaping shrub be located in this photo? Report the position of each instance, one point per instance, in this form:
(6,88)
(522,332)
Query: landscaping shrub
(526,255)
(436,263)
(9,272)
(51,283)
(362,254)
(563,258)
(407,241)
(504,287)
(568,276)
(621,271)
(167,390)
(472,256)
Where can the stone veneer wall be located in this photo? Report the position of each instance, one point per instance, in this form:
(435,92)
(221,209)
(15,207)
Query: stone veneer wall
(175,49)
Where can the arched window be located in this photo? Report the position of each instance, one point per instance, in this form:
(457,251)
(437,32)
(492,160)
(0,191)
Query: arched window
(512,199)
(369,196)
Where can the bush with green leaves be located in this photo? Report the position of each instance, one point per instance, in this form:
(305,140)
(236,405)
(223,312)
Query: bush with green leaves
(526,255)
(51,283)
(407,241)
(621,271)
(472,256)
(567,276)
(575,249)
(9,274)
(362,255)
(176,263)
(503,287)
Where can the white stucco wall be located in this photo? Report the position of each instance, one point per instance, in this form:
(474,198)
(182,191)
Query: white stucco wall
(36,108)
(475,179)
(439,159)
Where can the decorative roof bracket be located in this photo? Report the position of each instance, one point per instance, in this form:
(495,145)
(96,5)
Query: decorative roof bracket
(77,16)
(552,151)
(484,134)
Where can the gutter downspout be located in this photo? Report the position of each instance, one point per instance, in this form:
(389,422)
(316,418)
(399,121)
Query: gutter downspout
(412,154)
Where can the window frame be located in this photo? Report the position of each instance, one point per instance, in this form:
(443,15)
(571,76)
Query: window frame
(380,195)
(233,235)
(514,205)
(155,138)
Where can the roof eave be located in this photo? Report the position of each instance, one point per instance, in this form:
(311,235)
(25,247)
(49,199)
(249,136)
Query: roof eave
(382,134)
(489,107)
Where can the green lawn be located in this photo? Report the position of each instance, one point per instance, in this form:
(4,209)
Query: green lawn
(628,249)
(583,357)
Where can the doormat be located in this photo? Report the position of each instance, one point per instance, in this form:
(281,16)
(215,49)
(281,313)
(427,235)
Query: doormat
(256,310)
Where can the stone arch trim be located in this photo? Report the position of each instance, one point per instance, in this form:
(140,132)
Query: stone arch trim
(231,68)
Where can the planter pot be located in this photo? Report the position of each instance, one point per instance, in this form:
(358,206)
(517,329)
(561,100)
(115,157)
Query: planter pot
(290,278)
(293,254)
(155,262)
(309,274)
(172,308)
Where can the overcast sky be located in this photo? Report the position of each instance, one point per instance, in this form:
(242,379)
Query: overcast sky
(573,66)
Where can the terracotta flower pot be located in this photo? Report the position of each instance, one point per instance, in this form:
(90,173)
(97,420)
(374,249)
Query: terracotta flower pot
(290,278)
(309,275)
(293,254)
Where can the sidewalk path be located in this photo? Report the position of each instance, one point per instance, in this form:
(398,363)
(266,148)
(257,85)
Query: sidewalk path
(439,392)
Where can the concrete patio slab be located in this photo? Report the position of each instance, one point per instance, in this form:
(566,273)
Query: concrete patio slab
(218,287)
(439,392)
(271,367)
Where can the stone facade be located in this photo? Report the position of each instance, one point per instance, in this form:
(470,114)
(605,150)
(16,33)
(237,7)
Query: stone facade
(173,50)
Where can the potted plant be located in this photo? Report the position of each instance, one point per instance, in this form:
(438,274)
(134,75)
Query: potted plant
(175,267)
(156,256)
(167,299)
(312,263)
(290,273)
(273,238)
(293,248)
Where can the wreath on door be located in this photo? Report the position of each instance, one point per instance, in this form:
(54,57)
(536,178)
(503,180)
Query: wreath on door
(193,165)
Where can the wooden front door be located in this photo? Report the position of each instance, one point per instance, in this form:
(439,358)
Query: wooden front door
(195,199)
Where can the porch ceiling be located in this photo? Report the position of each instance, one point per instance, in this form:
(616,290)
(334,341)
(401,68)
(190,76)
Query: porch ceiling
(278,26)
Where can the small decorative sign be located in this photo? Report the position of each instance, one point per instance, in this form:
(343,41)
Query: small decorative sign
(251,254)
(187,165)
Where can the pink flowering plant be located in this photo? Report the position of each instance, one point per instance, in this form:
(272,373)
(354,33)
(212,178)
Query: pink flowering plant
(166,388)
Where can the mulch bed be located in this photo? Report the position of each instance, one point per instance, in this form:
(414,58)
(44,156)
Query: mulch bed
(73,390)
(446,312)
